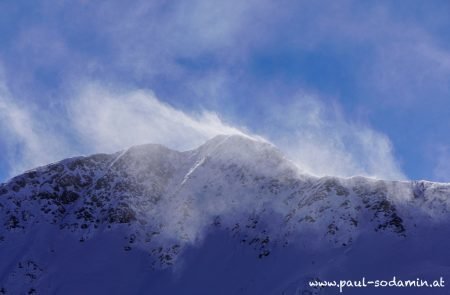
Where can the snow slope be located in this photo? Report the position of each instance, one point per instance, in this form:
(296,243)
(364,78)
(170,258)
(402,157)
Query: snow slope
(230,217)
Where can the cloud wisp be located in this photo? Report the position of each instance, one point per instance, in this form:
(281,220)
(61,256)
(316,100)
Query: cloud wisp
(108,120)
(372,54)
(321,140)
(441,158)
(26,136)
(95,120)
(102,119)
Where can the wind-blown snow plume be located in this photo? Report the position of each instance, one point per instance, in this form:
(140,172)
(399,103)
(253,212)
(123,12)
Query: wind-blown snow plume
(322,141)
(100,119)
(109,120)
(26,135)
(441,157)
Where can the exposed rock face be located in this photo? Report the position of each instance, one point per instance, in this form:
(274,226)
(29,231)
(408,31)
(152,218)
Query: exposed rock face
(161,201)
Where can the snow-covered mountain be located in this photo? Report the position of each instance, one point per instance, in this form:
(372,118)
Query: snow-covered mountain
(233,216)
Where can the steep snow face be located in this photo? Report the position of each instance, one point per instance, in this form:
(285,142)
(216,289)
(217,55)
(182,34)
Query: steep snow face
(159,206)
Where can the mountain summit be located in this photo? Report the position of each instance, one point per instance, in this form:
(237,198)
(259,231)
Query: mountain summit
(233,216)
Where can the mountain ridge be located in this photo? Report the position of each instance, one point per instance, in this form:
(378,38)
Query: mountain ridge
(164,202)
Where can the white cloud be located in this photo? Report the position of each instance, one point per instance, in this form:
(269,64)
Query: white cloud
(404,62)
(98,120)
(26,135)
(101,119)
(441,158)
(149,38)
(322,141)
(318,138)
(107,120)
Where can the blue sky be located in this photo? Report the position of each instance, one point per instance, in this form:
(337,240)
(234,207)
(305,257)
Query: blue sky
(342,87)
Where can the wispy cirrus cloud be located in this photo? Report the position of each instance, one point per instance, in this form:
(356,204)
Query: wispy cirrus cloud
(201,54)
(27,136)
(102,119)
(106,119)
(323,141)
(441,159)
(98,119)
